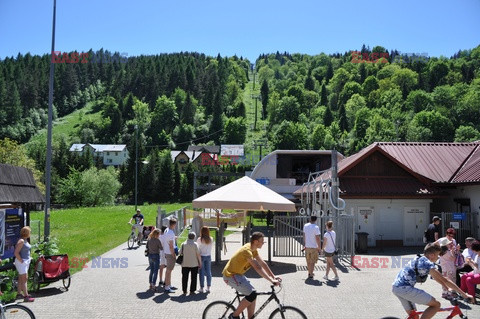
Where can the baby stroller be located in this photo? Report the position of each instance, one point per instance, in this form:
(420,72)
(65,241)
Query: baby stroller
(50,269)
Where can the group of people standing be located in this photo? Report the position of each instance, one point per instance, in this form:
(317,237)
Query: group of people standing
(313,247)
(453,262)
(196,261)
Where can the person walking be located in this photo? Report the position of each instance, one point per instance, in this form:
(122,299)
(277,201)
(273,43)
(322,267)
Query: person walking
(191,262)
(329,248)
(205,243)
(22,263)
(311,241)
(168,248)
(433,230)
(163,261)
(153,247)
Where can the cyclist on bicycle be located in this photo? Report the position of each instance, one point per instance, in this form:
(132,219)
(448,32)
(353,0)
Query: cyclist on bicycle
(418,270)
(233,273)
(138,217)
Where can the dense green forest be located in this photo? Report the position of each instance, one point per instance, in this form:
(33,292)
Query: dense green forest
(343,101)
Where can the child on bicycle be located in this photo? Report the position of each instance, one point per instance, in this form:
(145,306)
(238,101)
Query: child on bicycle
(233,273)
(418,270)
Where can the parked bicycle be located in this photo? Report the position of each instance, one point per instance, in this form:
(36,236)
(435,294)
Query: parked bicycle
(12,310)
(454,311)
(222,309)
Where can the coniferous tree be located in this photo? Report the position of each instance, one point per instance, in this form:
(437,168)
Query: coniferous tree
(216,126)
(177,182)
(323,95)
(328,117)
(264,91)
(165,178)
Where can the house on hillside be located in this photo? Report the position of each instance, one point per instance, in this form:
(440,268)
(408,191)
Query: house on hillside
(110,154)
(194,157)
(285,171)
(394,189)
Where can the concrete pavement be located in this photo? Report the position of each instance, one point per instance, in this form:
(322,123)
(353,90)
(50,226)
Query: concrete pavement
(105,290)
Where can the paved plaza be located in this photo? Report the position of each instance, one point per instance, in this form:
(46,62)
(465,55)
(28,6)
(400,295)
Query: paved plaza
(106,292)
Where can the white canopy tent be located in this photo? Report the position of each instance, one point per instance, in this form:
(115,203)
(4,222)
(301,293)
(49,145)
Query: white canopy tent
(245,194)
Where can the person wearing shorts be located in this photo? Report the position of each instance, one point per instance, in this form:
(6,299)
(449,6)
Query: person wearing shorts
(311,240)
(22,262)
(404,285)
(234,273)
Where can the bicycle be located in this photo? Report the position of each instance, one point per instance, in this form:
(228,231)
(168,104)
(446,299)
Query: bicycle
(222,309)
(454,311)
(133,238)
(12,310)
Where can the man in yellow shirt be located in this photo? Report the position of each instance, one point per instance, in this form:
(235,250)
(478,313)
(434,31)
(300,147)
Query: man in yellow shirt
(233,273)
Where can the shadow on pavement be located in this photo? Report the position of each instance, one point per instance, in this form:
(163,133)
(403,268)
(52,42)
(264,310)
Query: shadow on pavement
(313,282)
(188,298)
(47,292)
(145,294)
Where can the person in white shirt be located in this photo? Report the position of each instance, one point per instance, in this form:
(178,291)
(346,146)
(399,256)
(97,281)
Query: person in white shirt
(311,240)
(467,253)
(169,250)
(329,248)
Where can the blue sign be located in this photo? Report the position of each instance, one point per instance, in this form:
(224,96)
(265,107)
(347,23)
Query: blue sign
(263,181)
(459,216)
(14,221)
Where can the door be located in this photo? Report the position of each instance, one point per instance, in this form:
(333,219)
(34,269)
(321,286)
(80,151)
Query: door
(414,225)
(366,223)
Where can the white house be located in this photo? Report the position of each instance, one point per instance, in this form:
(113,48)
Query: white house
(111,154)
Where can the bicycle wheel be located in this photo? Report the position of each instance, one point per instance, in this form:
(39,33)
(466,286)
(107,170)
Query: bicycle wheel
(66,282)
(288,313)
(131,241)
(219,310)
(17,312)
(36,281)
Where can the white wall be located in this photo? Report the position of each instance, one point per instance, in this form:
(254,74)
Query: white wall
(115,158)
(388,217)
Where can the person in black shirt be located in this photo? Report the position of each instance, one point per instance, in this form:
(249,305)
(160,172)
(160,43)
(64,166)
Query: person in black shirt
(138,225)
(433,230)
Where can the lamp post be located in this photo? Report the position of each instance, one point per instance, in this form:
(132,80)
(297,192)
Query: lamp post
(136,164)
(48,164)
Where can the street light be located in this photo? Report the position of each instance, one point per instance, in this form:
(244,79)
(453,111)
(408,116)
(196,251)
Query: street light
(136,164)
(48,164)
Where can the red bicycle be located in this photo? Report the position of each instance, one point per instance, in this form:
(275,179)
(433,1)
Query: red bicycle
(454,311)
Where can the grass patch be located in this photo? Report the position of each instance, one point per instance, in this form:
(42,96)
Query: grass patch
(92,231)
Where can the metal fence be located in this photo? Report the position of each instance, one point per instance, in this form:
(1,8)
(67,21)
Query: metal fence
(465,224)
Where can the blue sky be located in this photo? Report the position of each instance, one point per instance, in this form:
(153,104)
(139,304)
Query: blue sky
(245,28)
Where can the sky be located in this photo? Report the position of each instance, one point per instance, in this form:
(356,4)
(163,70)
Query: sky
(244,28)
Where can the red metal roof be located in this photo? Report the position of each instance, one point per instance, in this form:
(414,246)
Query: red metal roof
(470,171)
(437,161)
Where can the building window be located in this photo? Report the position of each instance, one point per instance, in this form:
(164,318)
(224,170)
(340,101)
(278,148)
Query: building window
(108,153)
(110,160)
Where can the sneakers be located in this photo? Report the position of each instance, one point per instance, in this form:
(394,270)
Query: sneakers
(230,316)
(201,290)
(336,278)
(168,290)
(28,299)
(310,276)
(208,290)
(325,277)
(161,283)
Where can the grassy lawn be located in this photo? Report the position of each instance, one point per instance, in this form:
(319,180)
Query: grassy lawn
(92,231)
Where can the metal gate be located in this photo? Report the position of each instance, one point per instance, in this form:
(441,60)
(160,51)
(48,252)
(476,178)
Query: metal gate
(288,234)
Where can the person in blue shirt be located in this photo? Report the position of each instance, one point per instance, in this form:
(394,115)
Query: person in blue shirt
(418,268)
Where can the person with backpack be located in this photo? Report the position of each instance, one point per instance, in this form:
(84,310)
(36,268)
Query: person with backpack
(418,270)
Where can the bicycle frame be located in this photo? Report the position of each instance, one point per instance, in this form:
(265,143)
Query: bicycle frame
(273,296)
(455,310)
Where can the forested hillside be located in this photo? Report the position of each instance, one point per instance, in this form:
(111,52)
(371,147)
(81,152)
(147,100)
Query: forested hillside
(343,101)
(349,101)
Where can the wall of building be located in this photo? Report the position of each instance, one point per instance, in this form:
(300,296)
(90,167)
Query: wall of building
(392,221)
(115,158)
